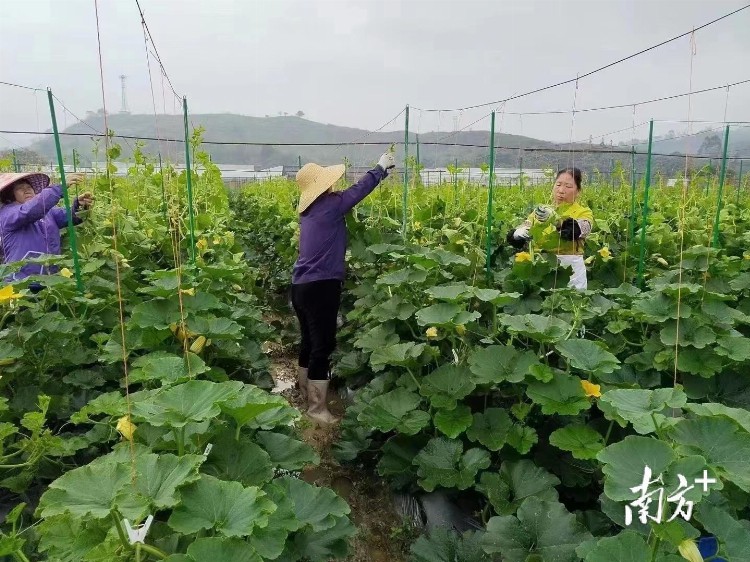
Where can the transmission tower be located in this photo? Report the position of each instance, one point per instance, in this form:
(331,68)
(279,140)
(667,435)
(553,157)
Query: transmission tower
(124,108)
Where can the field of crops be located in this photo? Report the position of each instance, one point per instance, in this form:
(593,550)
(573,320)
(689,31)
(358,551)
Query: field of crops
(536,406)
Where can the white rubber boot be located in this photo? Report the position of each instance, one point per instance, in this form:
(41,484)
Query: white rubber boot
(317,392)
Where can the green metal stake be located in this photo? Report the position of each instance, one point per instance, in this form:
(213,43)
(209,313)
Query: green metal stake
(739,184)
(455,181)
(520,167)
(418,160)
(16,167)
(191,211)
(490,193)
(406,174)
(631,225)
(644,220)
(722,177)
(299,162)
(75,161)
(66,197)
(163,192)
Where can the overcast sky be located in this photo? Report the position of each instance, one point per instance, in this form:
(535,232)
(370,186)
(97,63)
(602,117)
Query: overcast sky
(359,62)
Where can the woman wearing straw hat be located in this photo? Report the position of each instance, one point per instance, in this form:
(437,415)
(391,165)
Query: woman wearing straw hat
(30,220)
(320,270)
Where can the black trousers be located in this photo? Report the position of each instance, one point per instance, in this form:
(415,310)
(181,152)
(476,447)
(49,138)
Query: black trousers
(317,306)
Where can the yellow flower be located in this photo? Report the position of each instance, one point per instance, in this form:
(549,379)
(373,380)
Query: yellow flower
(589,260)
(217,240)
(689,551)
(523,256)
(417,225)
(460,329)
(7,294)
(432,332)
(662,261)
(190,291)
(591,389)
(126,427)
(746,255)
(202,244)
(460,242)
(604,253)
(65,272)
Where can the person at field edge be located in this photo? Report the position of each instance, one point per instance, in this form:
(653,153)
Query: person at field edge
(319,272)
(31,220)
(569,232)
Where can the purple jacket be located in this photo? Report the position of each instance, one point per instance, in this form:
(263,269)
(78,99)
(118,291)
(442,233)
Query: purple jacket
(322,236)
(32,229)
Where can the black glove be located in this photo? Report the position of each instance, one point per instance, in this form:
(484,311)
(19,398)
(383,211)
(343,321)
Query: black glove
(569,229)
(517,243)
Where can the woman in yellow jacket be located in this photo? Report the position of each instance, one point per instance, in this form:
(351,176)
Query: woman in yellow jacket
(567,234)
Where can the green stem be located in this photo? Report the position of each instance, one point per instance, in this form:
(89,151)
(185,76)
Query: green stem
(655,548)
(609,431)
(120,531)
(153,551)
(419,386)
(20,556)
(137,552)
(179,437)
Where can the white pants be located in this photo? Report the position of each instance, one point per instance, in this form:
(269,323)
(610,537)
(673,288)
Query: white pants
(578,278)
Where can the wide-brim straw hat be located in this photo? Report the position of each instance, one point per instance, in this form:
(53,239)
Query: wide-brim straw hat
(314,181)
(37,181)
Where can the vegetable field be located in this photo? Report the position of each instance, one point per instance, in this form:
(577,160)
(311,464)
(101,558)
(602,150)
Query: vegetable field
(537,406)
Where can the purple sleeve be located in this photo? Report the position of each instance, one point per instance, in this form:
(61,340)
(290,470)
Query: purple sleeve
(354,194)
(61,216)
(18,216)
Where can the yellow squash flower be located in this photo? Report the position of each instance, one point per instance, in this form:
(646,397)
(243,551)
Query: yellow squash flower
(126,427)
(663,262)
(592,390)
(217,240)
(460,329)
(605,253)
(432,332)
(8,294)
(689,551)
(523,256)
(202,244)
(65,272)
(189,292)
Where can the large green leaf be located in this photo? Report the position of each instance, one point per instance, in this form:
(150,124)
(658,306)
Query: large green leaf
(581,441)
(394,308)
(507,489)
(397,459)
(319,508)
(321,546)
(381,335)
(396,354)
(688,333)
(395,410)
(250,403)
(628,546)
(500,363)
(453,422)
(227,508)
(239,461)
(642,408)
(626,460)
(724,444)
(538,327)
(443,463)
(68,538)
(156,313)
(452,292)
(562,395)
(438,314)
(286,452)
(587,356)
(447,546)
(490,428)
(211,549)
(733,534)
(159,476)
(93,491)
(407,275)
(543,531)
(711,409)
(166,368)
(193,401)
(446,385)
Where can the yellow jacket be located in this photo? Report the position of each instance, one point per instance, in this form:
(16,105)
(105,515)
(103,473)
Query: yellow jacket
(551,239)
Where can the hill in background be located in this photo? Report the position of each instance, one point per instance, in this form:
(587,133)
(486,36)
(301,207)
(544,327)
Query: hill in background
(272,136)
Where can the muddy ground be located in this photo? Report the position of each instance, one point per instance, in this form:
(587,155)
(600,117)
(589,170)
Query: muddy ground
(382,536)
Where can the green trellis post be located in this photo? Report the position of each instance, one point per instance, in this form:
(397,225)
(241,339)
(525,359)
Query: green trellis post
(722,177)
(631,225)
(191,211)
(16,167)
(644,220)
(66,197)
(490,194)
(405,201)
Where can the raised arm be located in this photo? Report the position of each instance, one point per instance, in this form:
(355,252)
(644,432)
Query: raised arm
(366,184)
(18,216)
